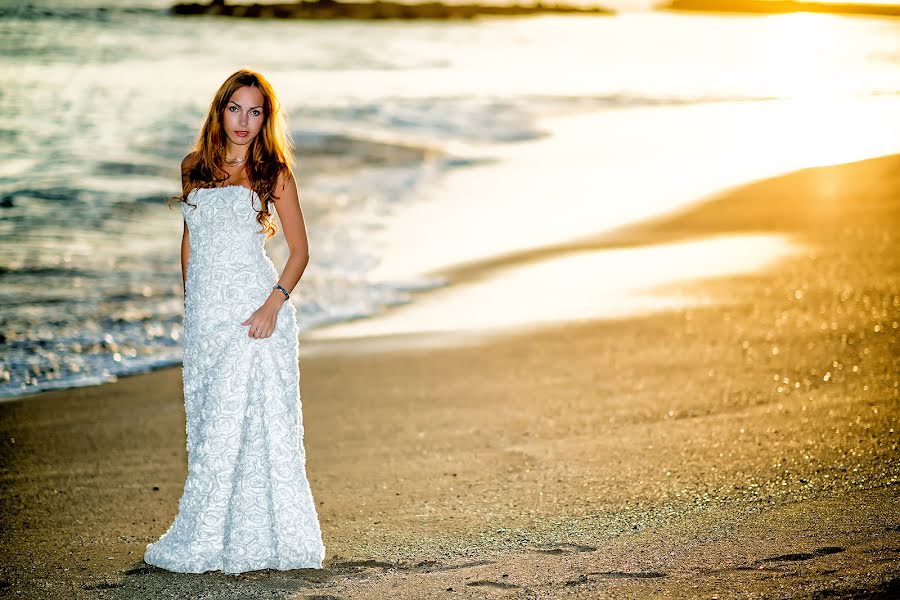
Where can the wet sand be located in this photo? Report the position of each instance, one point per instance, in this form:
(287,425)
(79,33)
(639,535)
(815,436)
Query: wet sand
(741,449)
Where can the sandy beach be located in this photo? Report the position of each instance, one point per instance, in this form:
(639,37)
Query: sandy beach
(744,448)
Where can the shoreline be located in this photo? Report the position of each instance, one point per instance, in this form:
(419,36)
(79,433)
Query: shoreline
(379,10)
(746,448)
(487,265)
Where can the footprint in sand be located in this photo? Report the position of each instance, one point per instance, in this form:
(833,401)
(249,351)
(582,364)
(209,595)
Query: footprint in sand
(563,548)
(465,565)
(359,565)
(793,557)
(495,584)
(805,555)
(627,575)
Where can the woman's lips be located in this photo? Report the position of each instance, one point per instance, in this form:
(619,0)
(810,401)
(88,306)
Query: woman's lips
(241,133)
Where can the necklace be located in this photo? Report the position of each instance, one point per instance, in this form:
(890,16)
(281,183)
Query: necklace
(236,161)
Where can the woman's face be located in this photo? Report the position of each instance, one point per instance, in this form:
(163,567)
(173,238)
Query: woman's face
(243,115)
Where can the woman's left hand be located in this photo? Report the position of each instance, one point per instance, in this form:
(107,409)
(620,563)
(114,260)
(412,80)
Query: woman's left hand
(262,322)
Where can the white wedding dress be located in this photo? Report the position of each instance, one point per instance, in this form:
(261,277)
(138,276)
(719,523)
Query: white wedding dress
(247,503)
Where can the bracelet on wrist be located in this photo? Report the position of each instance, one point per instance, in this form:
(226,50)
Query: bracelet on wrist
(281,289)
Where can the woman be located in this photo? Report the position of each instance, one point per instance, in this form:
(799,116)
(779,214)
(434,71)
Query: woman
(247,503)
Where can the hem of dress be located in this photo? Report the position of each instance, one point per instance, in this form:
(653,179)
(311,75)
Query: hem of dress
(276,566)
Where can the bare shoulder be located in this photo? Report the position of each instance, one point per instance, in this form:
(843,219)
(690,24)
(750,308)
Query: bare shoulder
(188,161)
(286,183)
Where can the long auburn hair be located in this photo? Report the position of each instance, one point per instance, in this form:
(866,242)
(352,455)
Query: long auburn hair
(270,152)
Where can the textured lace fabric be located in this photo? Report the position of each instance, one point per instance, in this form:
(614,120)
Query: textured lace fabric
(247,503)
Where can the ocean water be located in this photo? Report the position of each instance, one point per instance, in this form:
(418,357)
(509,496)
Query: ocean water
(101,102)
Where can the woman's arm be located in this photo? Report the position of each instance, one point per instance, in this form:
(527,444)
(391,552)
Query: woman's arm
(186,165)
(294,227)
(262,321)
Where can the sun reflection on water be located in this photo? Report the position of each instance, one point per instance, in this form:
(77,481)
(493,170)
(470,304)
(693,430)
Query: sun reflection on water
(606,283)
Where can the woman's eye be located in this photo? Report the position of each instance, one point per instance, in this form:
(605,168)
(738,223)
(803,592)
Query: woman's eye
(257,113)
(232,108)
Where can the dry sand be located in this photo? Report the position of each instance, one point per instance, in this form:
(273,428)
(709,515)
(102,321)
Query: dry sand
(747,449)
